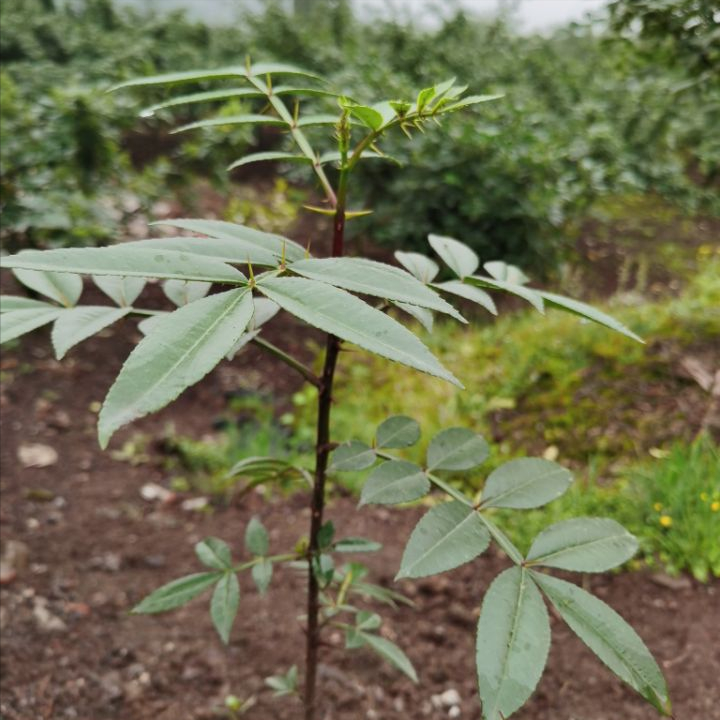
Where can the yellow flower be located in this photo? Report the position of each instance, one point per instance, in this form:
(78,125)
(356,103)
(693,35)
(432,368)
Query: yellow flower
(657,507)
(665,521)
(715,506)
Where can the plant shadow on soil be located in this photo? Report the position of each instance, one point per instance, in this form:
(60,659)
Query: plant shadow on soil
(96,548)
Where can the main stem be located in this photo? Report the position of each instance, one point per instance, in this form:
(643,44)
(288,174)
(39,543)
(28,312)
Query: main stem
(322,453)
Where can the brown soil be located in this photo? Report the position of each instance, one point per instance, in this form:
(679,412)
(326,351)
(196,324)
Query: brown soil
(96,547)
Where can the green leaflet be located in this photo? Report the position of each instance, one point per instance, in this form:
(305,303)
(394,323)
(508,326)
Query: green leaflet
(422,267)
(525,483)
(63,288)
(18,322)
(246,119)
(224,605)
(349,318)
(460,258)
(609,637)
(394,482)
(588,312)
(351,456)
(392,653)
(266,156)
(249,238)
(583,545)
(262,573)
(369,277)
(447,536)
(8,303)
(183,292)
(183,347)
(469,292)
(423,316)
(214,553)
(506,273)
(398,431)
(207,96)
(257,540)
(123,291)
(456,449)
(534,297)
(228,250)
(176,593)
(216,73)
(513,640)
(77,324)
(119,260)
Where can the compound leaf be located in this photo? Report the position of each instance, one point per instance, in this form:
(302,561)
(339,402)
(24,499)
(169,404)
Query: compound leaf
(398,431)
(224,605)
(77,324)
(182,348)
(176,593)
(460,258)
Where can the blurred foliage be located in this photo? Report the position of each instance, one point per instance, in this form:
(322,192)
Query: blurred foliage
(75,161)
(589,112)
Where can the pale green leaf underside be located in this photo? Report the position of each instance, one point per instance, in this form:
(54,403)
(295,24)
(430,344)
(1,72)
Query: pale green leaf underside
(117,260)
(456,449)
(257,69)
(369,277)
(349,318)
(422,267)
(77,324)
(394,482)
(8,303)
(182,348)
(583,545)
(460,258)
(588,312)
(532,296)
(525,483)
(268,156)
(224,605)
(65,289)
(18,322)
(176,593)
(227,250)
(611,638)
(513,640)
(247,119)
(447,536)
(262,241)
(469,292)
(123,291)
(422,315)
(262,573)
(182,292)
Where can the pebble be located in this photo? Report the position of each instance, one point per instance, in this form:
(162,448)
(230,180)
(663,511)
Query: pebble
(448,698)
(13,561)
(44,619)
(37,455)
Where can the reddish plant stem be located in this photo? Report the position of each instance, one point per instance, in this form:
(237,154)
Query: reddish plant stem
(322,453)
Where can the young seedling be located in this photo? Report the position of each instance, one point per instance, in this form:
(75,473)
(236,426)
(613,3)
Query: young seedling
(259,273)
